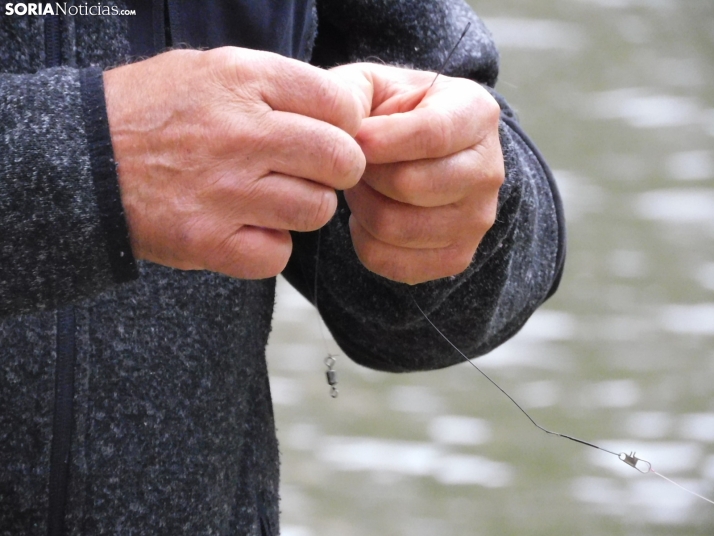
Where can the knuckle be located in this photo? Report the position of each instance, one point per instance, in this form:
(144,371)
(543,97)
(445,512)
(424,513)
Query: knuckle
(490,109)
(225,65)
(339,105)
(330,96)
(221,57)
(482,102)
(498,176)
(488,167)
(488,187)
(490,215)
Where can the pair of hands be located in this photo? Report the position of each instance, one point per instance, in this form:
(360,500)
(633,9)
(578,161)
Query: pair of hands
(221,153)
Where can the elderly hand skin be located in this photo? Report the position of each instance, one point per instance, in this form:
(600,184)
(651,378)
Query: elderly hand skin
(434,168)
(221,153)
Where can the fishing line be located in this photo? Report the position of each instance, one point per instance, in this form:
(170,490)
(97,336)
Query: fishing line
(470,362)
(331,359)
(448,56)
(643,466)
(681,487)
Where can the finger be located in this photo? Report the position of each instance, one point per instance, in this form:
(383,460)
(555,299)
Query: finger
(358,77)
(250,253)
(303,147)
(432,182)
(405,265)
(289,203)
(409,226)
(452,116)
(297,87)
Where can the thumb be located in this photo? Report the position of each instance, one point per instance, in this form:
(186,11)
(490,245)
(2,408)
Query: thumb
(360,82)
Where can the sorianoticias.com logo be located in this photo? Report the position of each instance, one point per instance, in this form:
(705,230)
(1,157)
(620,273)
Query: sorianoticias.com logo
(62,8)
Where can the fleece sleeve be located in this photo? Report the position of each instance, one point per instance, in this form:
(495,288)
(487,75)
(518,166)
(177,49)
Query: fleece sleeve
(518,263)
(63,236)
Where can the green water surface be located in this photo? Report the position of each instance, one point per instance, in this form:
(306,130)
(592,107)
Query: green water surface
(619,95)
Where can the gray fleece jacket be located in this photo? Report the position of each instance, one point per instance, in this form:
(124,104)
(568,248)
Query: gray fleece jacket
(134,398)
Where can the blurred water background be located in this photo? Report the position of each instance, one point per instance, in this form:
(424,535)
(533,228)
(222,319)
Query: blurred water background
(619,95)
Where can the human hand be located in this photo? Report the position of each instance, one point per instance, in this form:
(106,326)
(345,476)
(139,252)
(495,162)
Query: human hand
(220,153)
(434,168)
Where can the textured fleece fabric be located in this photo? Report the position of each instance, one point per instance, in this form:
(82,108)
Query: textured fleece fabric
(173,430)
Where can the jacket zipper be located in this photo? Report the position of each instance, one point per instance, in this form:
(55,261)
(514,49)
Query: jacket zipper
(53,41)
(62,422)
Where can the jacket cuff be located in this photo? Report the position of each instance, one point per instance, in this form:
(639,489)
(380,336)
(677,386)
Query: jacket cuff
(557,200)
(509,118)
(104,177)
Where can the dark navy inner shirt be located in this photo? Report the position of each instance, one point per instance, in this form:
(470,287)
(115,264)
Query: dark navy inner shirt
(285,27)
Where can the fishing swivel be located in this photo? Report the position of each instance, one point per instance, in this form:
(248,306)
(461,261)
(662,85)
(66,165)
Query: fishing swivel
(643,466)
(331,375)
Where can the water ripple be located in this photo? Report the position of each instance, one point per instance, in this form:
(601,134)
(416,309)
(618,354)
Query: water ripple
(413,458)
(644,108)
(688,319)
(677,205)
(536,34)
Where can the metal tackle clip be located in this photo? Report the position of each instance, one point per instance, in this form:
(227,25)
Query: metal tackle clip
(643,466)
(331,375)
